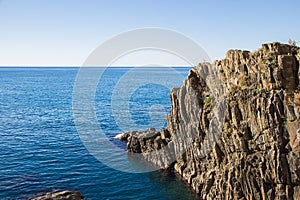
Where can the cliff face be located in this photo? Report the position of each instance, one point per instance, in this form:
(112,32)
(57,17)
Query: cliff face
(254,151)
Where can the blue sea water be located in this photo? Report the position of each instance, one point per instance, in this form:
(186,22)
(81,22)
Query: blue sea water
(41,151)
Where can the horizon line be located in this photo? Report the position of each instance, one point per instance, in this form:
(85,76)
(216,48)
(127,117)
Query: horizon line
(71,66)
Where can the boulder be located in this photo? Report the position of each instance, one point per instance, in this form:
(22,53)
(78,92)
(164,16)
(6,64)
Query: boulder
(61,195)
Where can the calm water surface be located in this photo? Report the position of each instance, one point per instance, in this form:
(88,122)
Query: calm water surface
(40,149)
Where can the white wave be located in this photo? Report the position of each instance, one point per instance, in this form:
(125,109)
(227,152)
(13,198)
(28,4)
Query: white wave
(119,136)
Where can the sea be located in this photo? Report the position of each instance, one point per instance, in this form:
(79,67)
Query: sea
(42,151)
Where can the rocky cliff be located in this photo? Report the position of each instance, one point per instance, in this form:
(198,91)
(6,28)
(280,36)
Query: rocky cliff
(233,129)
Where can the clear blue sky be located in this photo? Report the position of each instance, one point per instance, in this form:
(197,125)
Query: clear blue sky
(64,32)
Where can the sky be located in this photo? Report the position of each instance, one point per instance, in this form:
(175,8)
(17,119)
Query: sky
(65,32)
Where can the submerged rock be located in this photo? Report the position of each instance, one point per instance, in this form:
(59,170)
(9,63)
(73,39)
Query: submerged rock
(255,154)
(61,195)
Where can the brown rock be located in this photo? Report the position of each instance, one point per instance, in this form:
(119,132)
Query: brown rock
(62,195)
(257,152)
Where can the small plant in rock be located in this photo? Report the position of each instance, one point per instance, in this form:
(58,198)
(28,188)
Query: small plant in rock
(208,103)
(257,91)
(269,63)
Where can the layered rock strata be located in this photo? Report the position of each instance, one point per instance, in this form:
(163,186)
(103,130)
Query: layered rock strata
(233,128)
